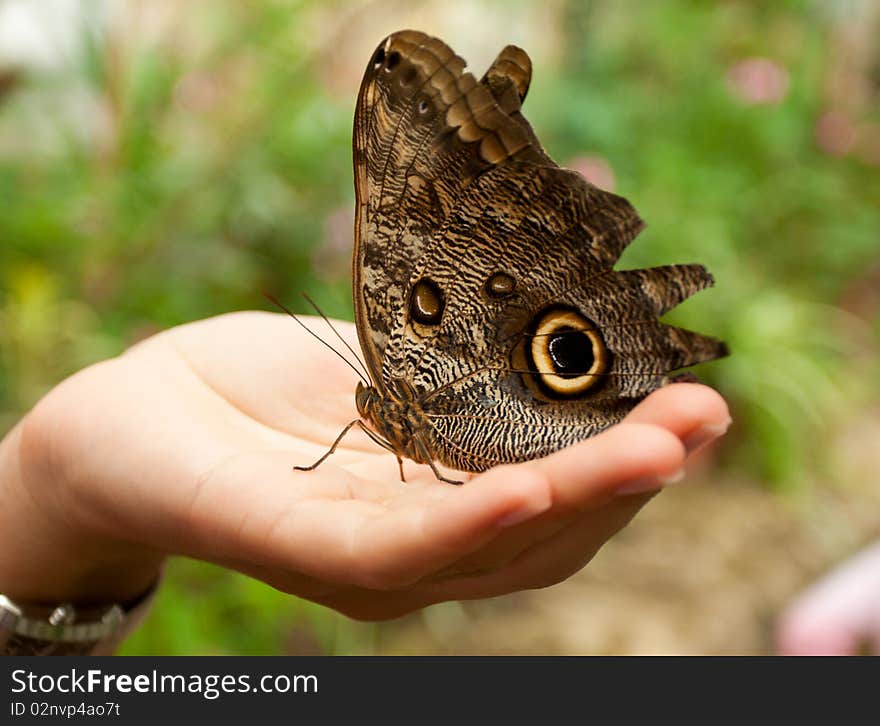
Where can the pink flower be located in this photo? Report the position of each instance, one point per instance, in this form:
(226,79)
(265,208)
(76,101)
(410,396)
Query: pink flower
(595,169)
(757,81)
(838,613)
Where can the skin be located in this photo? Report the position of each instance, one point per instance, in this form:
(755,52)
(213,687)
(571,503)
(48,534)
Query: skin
(185,445)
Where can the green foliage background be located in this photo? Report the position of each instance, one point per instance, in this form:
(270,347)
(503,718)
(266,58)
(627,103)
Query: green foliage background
(150,182)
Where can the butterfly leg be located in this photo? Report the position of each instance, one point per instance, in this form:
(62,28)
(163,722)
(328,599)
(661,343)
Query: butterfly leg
(385,445)
(332,448)
(369,432)
(433,466)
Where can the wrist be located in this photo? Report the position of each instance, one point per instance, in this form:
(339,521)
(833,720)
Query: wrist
(48,552)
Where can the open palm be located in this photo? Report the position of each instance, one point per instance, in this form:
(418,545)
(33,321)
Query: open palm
(186,445)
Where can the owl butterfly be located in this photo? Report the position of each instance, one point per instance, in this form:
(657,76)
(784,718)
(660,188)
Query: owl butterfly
(492,322)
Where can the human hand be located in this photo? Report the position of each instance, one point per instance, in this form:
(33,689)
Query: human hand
(185,445)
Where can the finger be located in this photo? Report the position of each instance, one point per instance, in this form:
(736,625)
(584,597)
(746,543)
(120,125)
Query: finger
(625,459)
(549,562)
(372,605)
(634,454)
(253,508)
(695,413)
(414,541)
(355,602)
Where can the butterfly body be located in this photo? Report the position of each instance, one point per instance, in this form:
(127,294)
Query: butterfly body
(492,323)
(396,417)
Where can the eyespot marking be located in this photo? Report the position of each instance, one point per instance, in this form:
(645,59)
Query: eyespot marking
(500,285)
(426,303)
(566,352)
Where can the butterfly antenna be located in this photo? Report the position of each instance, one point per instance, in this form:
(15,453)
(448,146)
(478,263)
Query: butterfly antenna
(317,337)
(338,335)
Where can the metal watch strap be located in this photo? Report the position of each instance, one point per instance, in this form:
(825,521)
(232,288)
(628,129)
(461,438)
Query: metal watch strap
(65,629)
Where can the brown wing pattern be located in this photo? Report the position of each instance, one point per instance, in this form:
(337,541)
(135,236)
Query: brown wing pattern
(454,188)
(424,129)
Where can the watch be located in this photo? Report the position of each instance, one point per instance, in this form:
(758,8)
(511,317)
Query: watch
(65,629)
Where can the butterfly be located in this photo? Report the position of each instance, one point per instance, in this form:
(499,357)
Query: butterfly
(493,325)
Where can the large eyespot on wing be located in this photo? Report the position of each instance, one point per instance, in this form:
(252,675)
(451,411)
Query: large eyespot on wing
(564,353)
(625,307)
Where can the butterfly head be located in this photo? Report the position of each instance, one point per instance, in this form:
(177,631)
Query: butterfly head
(364,397)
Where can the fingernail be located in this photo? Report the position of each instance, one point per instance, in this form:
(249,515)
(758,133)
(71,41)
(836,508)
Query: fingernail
(517,516)
(698,439)
(649,483)
(673,478)
(638,486)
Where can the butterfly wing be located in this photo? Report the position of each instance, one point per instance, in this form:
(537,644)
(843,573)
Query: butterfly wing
(424,130)
(502,411)
(474,248)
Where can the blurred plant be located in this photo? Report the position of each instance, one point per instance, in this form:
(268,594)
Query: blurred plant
(156,178)
(182,158)
(719,157)
(208,610)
